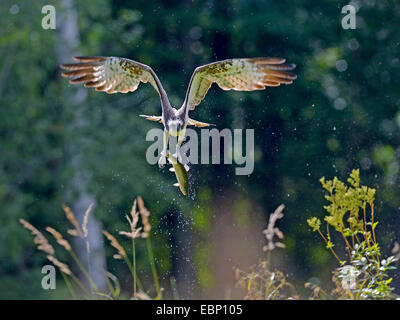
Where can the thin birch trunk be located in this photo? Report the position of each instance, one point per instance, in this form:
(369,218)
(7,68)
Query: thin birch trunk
(66,46)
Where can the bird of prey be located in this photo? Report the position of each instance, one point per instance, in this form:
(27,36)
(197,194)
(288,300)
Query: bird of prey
(113,74)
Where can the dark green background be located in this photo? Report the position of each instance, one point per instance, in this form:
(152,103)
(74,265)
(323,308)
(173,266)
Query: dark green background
(302,131)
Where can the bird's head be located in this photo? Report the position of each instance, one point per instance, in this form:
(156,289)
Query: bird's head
(174,127)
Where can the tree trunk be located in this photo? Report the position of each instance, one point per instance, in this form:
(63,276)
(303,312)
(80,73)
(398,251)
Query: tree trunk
(66,44)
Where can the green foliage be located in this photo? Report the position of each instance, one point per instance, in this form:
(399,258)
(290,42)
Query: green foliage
(364,276)
(327,122)
(351,214)
(314,223)
(347,200)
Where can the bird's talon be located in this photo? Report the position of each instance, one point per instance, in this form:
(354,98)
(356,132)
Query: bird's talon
(162,161)
(177,155)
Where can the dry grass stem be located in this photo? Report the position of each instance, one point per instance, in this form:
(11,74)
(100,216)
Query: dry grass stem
(271,231)
(132,220)
(86,220)
(141,296)
(60,240)
(144,213)
(396,250)
(39,239)
(261,283)
(121,251)
(77,232)
(62,266)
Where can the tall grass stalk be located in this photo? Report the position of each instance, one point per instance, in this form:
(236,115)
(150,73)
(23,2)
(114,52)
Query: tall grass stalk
(174,288)
(153,269)
(134,266)
(83,270)
(69,286)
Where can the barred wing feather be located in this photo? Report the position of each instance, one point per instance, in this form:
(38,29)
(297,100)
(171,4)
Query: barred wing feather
(110,74)
(238,74)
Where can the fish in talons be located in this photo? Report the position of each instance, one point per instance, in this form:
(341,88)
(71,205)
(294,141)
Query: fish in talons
(181,173)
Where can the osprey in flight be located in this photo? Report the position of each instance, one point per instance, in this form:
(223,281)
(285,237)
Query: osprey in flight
(113,74)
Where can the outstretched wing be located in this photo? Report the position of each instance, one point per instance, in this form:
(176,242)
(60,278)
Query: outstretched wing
(238,74)
(110,74)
